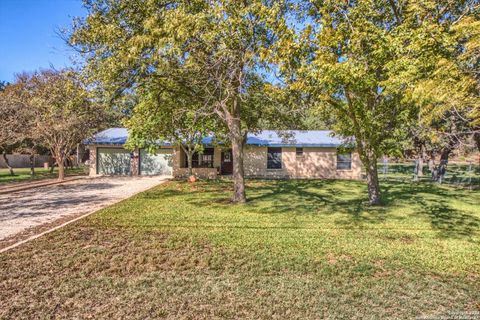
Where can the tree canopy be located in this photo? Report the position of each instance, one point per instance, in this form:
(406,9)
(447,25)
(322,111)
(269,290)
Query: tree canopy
(212,50)
(371,66)
(56,109)
(172,116)
(14,118)
(369,69)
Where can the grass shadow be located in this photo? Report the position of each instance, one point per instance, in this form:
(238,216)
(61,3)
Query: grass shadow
(338,201)
(434,203)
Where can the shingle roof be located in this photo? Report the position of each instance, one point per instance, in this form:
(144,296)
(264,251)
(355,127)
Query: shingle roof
(272,138)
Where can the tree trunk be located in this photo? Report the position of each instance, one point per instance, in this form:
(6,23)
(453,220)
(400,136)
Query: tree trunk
(420,167)
(431,163)
(78,156)
(52,167)
(237,154)
(442,168)
(32,165)
(61,168)
(372,182)
(421,160)
(189,153)
(189,163)
(4,154)
(476,138)
(445,154)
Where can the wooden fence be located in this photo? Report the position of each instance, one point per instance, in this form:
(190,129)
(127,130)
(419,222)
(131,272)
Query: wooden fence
(23,160)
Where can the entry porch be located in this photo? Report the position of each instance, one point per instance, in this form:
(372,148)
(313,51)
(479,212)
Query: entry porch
(209,164)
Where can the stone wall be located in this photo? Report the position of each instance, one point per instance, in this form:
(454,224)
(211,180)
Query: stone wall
(202,173)
(92,161)
(315,163)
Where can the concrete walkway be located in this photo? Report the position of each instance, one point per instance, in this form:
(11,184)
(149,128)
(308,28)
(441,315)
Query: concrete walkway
(31,208)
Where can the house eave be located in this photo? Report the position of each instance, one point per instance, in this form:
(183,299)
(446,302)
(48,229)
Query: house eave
(283,145)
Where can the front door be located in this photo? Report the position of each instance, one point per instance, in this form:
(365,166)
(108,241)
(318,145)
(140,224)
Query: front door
(227,165)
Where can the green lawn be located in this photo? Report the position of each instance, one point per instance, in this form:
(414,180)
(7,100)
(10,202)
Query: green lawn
(23,174)
(297,249)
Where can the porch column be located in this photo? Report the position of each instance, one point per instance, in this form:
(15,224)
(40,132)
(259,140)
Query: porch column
(135,163)
(92,159)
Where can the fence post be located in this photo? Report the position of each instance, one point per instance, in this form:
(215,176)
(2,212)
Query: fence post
(385,167)
(470,175)
(415,171)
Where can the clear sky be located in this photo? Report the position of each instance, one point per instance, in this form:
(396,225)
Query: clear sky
(27,34)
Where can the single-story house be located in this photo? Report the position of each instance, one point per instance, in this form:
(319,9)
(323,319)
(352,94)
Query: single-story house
(267,154)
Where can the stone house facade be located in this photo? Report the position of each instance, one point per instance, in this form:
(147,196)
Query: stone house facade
(268,154)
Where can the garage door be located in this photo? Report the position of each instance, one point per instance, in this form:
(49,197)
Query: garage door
(156,164)
(113,161)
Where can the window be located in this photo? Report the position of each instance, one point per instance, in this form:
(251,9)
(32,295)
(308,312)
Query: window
(299,152)
(207,161)
(204,160)
(274,158)
(344,161)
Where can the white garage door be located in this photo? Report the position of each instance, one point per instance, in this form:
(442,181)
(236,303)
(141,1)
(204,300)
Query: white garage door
(156,164)
(113,161)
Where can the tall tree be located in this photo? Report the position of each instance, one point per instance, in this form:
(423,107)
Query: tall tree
(448,34)
(341,59)
(364,64)
(171,116)
(13,118)
(219,45)
(59,110)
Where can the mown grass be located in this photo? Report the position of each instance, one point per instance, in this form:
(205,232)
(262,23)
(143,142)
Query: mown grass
(297,249)
(23,174)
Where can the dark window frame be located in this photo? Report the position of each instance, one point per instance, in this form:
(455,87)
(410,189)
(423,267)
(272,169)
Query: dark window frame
(204,160)
(274,158)
(342,162)
(299,152)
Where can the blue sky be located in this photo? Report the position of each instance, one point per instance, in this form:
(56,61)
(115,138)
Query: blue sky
(27,34)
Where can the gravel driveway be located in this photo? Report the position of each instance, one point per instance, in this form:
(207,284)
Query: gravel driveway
(31,208)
